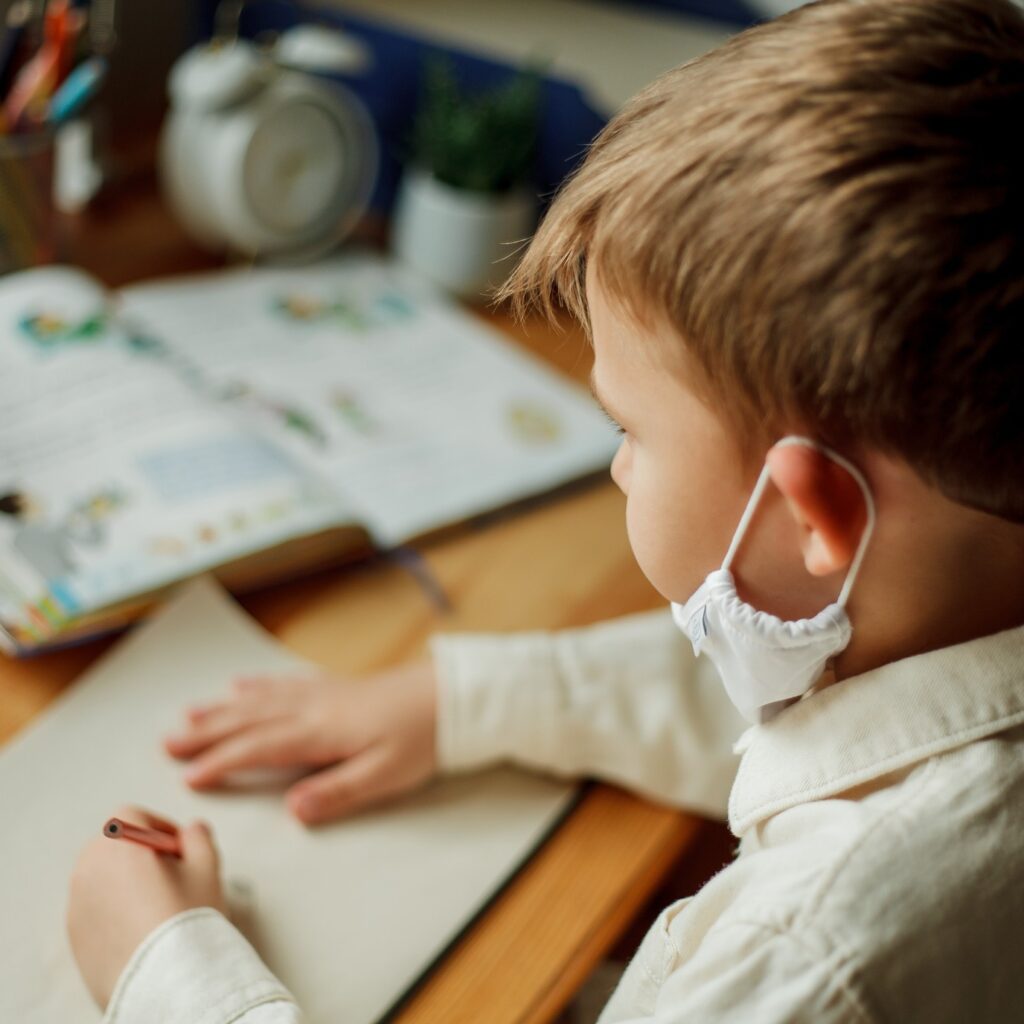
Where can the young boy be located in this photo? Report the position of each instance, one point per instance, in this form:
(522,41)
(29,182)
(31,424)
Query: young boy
(817,230)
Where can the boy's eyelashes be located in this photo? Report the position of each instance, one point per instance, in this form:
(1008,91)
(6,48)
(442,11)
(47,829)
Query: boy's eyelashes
(619,429)
(597,398)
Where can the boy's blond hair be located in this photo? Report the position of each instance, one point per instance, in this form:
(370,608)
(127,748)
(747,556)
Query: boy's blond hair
(829,213)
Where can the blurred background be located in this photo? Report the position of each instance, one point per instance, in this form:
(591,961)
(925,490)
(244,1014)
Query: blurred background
(605,49)
(486,99)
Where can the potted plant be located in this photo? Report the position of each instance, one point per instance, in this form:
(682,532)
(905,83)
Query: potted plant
(464,200)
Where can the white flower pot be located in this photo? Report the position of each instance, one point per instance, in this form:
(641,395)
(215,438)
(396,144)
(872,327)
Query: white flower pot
(466,242)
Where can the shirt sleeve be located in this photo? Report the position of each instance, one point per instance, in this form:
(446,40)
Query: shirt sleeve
(624,700)
(197,968)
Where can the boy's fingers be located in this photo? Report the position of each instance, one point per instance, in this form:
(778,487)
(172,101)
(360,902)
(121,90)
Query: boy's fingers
(217,725)
(136,815)
(361,780)
(198,848)
(243,687)
(272,686)
(198,712)
(252,684)
(260,685)
(259,747)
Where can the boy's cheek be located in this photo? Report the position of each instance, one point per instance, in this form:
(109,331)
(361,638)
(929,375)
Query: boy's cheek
(673,567)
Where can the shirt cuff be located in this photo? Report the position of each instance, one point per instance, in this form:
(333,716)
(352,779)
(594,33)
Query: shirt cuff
(194,968)
(489,696)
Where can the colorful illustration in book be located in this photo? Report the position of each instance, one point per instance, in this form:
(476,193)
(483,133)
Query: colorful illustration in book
(42,617)
(289,415)
(49,546)
(50,331)
(276,510)
(357,315)
(233,391)
(167,546)
(300,307)
(395,305)
(146,345)
(238,522)
(206,533)
(351,409)
(173,547)
(533,423)
(40,614)
(296,420)
(98,507)
(305,309)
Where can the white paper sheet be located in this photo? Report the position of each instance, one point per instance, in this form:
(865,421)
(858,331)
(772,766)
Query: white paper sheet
(348,915)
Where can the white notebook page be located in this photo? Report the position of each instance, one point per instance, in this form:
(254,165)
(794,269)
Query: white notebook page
(348,915)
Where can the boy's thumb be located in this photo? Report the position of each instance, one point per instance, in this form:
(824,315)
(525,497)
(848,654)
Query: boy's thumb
(198,848)
(343,788)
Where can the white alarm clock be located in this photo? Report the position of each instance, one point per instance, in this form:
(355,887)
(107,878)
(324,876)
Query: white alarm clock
(261,158)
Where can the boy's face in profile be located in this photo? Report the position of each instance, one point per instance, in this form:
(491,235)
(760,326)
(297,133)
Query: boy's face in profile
(684,477)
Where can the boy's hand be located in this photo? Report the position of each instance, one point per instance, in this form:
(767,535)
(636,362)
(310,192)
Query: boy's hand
(120,892)
(375,734)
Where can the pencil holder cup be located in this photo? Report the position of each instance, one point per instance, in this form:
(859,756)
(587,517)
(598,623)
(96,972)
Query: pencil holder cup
(27,218)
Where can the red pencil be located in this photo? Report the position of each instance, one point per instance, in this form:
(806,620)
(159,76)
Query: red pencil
(155,839)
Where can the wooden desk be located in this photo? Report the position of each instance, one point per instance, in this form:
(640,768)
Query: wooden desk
(563,563)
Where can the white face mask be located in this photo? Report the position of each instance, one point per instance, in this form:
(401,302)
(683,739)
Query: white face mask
(766,662)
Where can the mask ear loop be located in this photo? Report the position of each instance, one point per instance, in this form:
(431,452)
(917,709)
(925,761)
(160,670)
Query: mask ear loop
(758,492)
(748,513)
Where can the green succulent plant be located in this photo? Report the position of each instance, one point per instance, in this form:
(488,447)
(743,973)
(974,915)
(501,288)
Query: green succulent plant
(484,142)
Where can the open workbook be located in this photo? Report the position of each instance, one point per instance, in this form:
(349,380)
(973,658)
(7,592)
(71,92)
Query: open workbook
(259,422)
(348,915)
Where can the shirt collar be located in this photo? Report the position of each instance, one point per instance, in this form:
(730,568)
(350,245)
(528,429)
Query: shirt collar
(879,722)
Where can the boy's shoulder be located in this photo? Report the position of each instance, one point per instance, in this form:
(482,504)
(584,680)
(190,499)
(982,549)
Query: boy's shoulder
(903,900)
(881,837)
(926,897)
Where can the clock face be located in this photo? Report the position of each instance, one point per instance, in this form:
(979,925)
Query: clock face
(295,170)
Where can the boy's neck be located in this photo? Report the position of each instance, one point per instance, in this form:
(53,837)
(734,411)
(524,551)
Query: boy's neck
(937,574)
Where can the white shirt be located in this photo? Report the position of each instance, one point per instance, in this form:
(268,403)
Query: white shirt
(880,873)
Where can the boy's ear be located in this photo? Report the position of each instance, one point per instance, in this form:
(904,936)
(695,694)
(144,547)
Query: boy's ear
(826,503)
